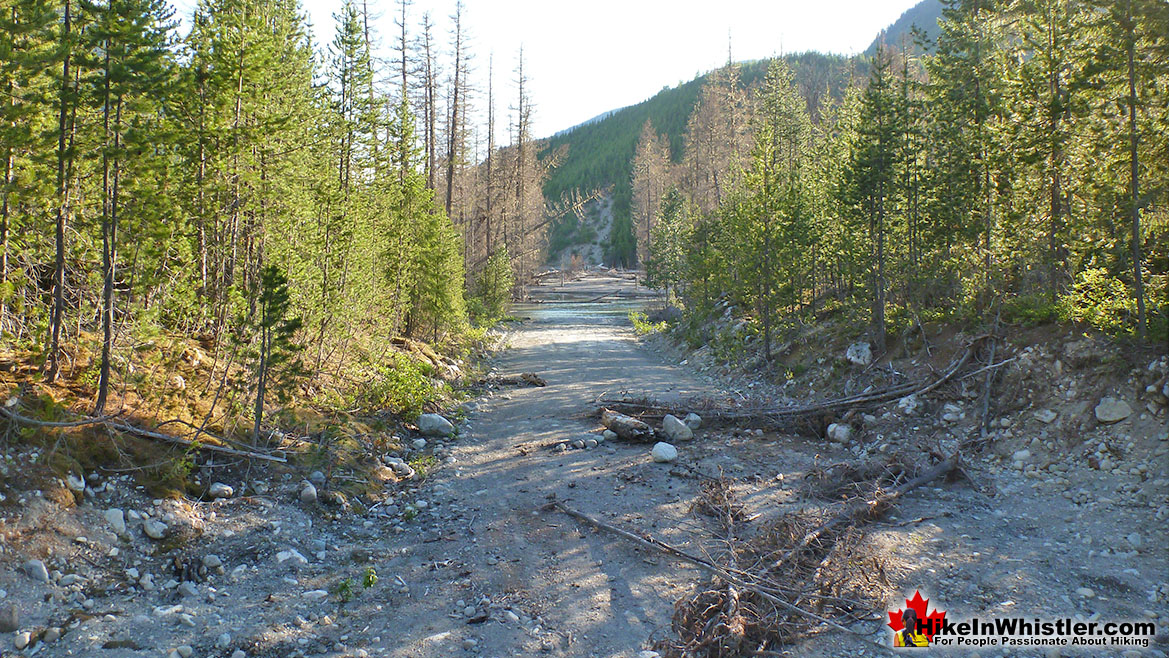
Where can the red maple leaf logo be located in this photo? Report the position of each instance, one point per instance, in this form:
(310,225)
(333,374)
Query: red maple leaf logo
(931,622)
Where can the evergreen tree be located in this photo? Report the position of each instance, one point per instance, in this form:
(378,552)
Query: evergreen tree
(870,179)
(273,353)
(26,51)
(130,79)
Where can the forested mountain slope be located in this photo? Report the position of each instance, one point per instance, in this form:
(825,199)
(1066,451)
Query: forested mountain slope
(923,16)
(600,151)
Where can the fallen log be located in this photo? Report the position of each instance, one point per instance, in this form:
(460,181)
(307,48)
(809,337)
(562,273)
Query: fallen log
(110,423)
(626,427)
(779,417)
(522,379)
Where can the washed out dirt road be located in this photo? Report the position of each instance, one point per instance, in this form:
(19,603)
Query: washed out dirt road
(574,592)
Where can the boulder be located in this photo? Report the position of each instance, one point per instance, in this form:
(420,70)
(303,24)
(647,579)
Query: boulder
(435,425)
(693,421)
(308,493)
(676,429)
(664,453)
(860,354)
(154,528)
(9,619)
(75,483)
(1111,410)
(839,433)
(117,520)
(220,490)
(1046,416)
(36,570)
(292,556)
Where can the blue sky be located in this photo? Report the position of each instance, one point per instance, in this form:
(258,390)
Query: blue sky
(586,57)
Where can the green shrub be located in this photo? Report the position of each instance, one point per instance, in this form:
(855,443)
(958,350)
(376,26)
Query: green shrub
(492,291)
(1100,300)
(403,386)
(1030,310)
(642,324)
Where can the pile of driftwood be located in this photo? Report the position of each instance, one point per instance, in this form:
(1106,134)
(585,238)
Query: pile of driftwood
(790,577)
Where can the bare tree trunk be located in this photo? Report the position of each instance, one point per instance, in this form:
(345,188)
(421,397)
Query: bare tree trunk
(9,158)
(1134,178)
(429,105)
(52,363)
(879,274)
(261,375)
(453,136)
(108,240)
(487,238)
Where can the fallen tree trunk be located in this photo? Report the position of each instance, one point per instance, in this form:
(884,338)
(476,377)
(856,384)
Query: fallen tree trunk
(522,379)
(110,423)
(626,427)
(778,417)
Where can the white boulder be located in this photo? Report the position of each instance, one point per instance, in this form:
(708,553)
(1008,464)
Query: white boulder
(36,570)
(839,433)
(1111,410)
(117,520)
(860,354)
(664,453)
(154,528)
(308,493)
(1046,416)
(220,490)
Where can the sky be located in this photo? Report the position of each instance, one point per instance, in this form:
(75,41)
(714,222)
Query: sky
(585,57)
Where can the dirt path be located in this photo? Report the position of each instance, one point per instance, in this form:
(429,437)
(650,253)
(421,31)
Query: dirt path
(590,595)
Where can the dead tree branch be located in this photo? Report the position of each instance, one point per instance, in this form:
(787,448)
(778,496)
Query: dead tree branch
(863,510)
(706,565)
(110,422)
